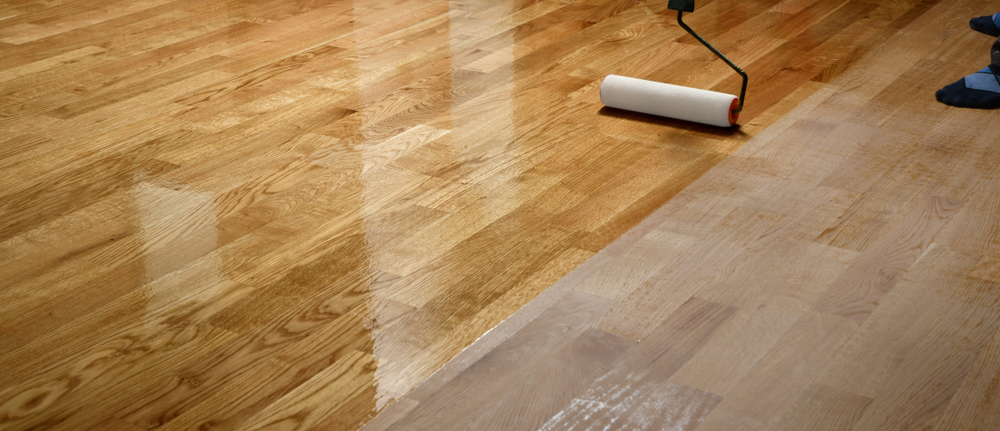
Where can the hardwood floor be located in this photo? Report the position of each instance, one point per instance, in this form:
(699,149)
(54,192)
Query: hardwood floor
(416,214)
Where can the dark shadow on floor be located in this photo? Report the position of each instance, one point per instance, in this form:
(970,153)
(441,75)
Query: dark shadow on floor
(670,122)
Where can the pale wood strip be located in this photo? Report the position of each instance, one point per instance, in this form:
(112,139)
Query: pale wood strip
(636,394)
(771,388)
(918,393)
(890,335)
(747,337)
(664,406)
(823,408)
(897,187)
(977,401)
(648,306)
(859,290)
(615,277)
(527,399)
(783,265)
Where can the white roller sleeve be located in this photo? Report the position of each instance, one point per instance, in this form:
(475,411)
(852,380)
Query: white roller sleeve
(666,100)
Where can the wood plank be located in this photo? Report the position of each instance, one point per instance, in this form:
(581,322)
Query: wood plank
(551,331)
(637,393)
(768,392)
(318,397)
(825,408)
(975,403)
(890,335)
(858,291)
(524,401)
(926,381)
(740,343)
(648,306)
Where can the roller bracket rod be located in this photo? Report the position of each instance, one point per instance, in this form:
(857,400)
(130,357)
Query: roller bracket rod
(743,91)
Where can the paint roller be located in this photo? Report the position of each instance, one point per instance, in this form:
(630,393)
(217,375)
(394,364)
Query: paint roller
(674,101)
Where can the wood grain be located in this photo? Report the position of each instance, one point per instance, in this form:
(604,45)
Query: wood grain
(279,214)
(637,394)
(858,290)
(975,403)
(771,388)
(825,408)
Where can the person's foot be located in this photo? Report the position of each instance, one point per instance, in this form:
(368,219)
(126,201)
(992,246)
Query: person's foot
(986,24)
(980,90)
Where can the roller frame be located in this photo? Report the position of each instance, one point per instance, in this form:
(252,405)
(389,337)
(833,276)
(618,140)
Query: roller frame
(680,13)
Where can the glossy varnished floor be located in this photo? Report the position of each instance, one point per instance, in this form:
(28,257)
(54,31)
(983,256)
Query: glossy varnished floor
(274,214)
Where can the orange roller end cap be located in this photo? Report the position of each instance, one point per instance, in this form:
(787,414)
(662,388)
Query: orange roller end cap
(733,115)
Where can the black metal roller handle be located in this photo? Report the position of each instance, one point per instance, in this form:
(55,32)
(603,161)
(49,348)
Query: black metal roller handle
(743,91)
